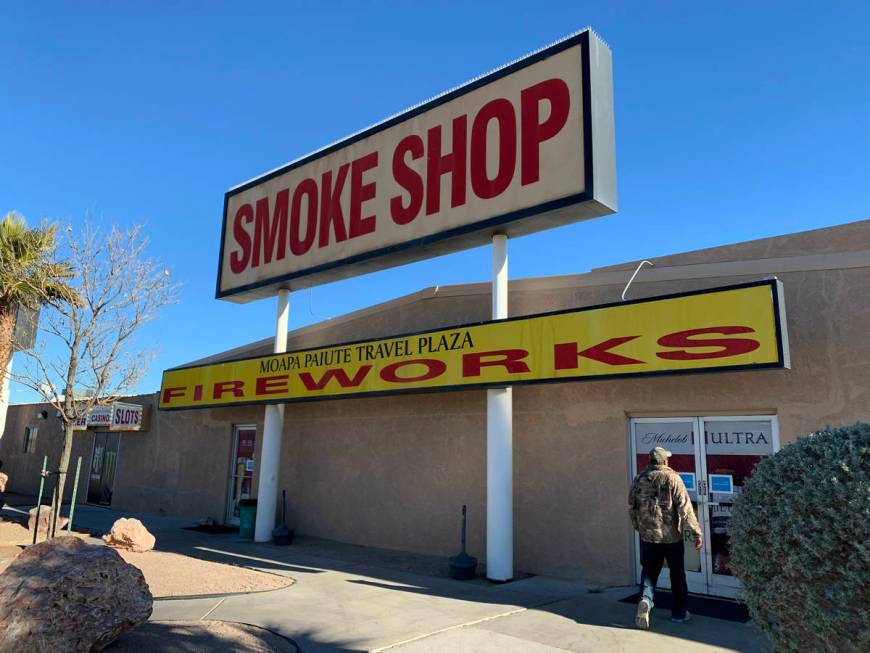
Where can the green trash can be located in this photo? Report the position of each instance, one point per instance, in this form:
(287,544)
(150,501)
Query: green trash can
(247,517)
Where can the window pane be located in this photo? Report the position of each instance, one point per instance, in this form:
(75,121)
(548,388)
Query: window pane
(734,448)
(30,439)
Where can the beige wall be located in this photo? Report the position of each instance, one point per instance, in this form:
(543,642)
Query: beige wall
(393,471)
(24,468)
(179,466)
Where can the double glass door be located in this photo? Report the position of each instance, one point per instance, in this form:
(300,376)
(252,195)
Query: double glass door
(714,456)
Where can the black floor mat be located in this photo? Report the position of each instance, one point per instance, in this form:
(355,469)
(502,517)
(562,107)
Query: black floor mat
(213,529)
(706,606)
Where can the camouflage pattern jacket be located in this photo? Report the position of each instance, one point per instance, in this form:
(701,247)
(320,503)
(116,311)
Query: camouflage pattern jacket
(660,507)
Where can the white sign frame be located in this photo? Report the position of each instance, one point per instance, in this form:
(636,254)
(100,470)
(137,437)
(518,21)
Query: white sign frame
(107,417)
(100,417)
(135,409)
(518,211)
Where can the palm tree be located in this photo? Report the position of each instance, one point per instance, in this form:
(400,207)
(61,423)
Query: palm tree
(29,276)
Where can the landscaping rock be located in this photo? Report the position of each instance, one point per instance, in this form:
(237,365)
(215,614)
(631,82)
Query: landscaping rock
(66,596)
(130,534)
(44,516)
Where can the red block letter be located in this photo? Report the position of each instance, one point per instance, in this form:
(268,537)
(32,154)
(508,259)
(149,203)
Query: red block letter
(359,193)
(433,368)
(169,393)
(511,359)
(408,179)
(330,206)
(729,346)
(235,387)
(338,374)
(502,111)
(454,163)
(534,132)
(238,262)
(566,354)
(271,238)
(272,385)
(298,245)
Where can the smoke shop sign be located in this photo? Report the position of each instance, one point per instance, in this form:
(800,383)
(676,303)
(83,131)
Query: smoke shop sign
(733,328)
(525,148)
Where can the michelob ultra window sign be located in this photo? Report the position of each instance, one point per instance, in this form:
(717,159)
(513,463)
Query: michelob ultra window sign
(527,147)
(738,327)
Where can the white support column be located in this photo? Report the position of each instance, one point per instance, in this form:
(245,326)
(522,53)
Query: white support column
(4,395)
(499,443)
(273,427)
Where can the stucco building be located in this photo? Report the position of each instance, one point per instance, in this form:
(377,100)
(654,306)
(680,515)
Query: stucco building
(393,471)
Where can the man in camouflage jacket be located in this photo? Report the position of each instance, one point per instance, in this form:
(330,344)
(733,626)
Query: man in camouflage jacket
(660,511)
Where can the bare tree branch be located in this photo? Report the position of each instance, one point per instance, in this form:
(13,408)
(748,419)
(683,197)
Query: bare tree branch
(119,289)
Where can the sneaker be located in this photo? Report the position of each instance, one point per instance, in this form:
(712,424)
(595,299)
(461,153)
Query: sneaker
(641,617)
(683,619)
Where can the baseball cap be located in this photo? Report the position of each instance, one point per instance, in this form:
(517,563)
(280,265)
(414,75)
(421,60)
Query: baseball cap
(659,455)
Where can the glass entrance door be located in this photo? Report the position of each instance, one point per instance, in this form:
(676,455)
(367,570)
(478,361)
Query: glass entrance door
(733,446)
(241,470)
(679,435)
(104,461)
(714,468)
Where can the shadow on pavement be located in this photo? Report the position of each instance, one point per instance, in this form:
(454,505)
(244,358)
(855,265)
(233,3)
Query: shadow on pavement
(600,609)
(557,613)
(199,636)
(350,599)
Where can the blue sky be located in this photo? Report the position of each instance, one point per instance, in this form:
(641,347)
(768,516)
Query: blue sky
(734,120)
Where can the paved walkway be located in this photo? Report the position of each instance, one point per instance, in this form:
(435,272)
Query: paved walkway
(354,599)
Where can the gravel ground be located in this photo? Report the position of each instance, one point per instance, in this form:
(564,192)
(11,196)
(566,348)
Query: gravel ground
(14,536)
(13,533)
(191,636)
(170,574)
(167,574)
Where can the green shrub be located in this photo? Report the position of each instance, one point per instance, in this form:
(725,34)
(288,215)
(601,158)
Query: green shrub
(800,542)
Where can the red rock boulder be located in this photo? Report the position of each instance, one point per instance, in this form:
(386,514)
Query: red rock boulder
(44,518)
(130,534)
(66,596)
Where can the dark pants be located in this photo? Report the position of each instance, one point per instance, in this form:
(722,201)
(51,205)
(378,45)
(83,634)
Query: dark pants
(652,557)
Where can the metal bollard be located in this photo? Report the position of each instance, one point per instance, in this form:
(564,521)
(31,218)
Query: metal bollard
(39,497)
(72,505)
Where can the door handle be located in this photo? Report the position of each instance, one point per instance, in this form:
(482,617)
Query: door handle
(702,488)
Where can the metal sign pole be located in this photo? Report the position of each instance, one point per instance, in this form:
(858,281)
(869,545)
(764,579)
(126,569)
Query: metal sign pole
(499,443)
(273,427)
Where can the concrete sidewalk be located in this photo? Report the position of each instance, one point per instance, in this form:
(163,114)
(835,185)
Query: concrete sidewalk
(353,599)
(369,609)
